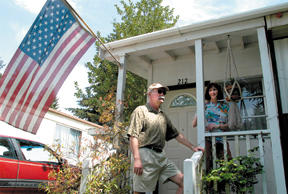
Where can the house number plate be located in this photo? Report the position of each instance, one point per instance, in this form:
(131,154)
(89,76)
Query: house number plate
(182,81)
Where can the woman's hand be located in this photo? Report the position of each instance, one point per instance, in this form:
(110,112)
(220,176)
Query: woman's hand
(211,126)
(194,122)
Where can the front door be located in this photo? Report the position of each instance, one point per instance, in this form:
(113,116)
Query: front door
(180,107)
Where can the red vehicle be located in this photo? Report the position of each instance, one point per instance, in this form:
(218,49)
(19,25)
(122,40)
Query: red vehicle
(24,164)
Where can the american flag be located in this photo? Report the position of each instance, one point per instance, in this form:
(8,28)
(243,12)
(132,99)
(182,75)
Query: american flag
(51,48)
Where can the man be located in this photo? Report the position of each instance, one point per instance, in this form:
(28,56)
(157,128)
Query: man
(148,130)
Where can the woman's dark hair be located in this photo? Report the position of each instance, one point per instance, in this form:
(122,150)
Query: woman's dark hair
(218,87)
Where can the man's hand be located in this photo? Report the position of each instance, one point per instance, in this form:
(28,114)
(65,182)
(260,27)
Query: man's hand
(196,149)
(138,168)
(134,144)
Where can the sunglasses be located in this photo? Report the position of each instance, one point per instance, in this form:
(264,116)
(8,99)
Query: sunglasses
(161,90)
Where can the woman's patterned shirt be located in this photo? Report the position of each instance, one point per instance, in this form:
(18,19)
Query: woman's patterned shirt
(216,114)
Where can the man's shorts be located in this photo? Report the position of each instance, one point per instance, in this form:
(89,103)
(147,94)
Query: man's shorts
(155,167)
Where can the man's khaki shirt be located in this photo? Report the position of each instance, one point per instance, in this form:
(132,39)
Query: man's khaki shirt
(151,127)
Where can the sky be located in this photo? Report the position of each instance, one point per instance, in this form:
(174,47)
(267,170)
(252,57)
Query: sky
(17,16)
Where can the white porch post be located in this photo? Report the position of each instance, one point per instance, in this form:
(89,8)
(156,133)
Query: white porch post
(200,92)
(190,182)
(121,82)
(272,111)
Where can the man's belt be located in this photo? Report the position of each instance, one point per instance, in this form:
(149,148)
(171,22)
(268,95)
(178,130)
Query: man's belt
(151,147)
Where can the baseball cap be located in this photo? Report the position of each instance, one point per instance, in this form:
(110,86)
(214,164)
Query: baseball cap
(156,85)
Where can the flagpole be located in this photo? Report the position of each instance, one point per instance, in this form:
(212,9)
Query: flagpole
(73,10)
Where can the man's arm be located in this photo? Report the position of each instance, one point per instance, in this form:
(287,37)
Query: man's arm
(181,139)
(134,145)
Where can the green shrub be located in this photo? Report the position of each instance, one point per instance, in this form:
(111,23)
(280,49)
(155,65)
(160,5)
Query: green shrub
(239,173)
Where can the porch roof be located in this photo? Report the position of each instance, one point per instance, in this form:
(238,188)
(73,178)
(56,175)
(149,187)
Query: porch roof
(145,50)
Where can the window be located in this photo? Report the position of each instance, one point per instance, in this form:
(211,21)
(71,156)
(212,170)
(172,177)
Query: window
(36,152)
(252,106)
(69,139)
(6,150)
(183,100)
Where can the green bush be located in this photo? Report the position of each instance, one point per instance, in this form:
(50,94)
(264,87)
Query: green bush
(239,173)
(109,176)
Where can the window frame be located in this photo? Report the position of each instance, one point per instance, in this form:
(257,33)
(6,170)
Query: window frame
(10,143)
(22,155)
(66,150)
(182,94)
(247,81)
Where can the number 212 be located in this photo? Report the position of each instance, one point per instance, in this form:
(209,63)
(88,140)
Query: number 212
(182,81)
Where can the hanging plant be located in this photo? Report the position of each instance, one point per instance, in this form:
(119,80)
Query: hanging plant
(232,87)
(239,173)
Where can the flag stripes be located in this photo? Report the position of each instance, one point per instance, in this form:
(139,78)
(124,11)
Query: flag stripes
(66,69)
(58,86)
(48,67)
(20,88)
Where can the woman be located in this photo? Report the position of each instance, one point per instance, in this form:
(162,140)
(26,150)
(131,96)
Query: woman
(216,116)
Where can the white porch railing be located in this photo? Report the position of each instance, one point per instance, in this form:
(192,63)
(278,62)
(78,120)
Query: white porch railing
(240,142)
(193,173)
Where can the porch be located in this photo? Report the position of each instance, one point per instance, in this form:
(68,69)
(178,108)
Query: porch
(185,58)
(240,144)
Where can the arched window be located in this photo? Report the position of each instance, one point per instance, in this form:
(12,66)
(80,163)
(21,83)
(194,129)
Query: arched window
(183,100)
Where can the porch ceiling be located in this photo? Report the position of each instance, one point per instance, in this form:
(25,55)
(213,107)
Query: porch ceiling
(214,44)
(139,61)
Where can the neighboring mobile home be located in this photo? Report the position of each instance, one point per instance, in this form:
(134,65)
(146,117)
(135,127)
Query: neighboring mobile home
(57,127)
(186,58)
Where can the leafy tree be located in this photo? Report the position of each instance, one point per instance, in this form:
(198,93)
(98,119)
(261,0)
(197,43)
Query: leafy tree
(137,18)
(140,18)
(55,104)
(2,65)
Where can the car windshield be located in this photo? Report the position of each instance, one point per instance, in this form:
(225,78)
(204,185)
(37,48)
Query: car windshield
(36,152)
